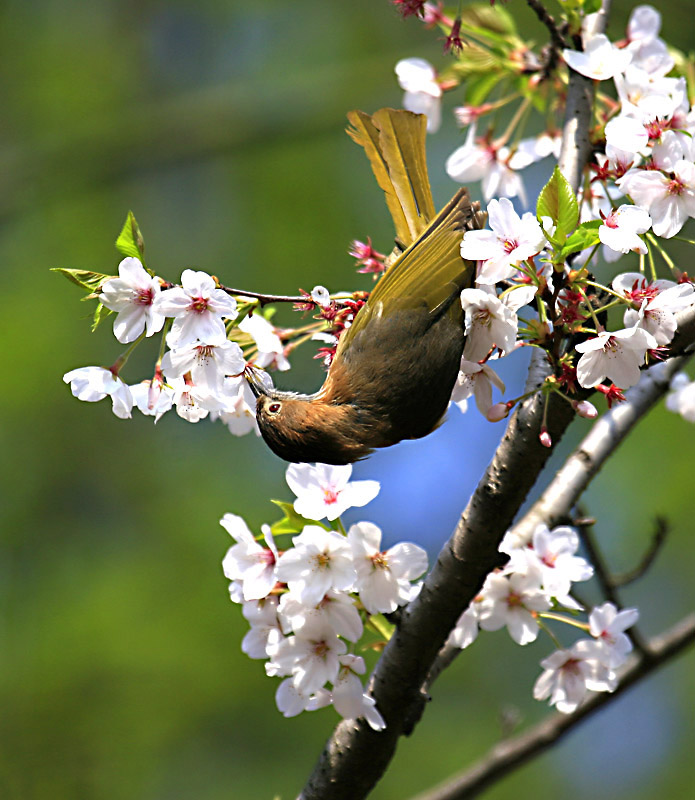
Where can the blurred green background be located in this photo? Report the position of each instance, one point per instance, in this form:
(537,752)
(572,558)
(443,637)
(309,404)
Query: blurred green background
(221,125)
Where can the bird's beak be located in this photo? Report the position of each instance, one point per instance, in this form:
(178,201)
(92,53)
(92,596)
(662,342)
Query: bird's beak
(255,382)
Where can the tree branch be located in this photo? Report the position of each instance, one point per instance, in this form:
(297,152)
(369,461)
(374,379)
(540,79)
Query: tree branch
(512,753)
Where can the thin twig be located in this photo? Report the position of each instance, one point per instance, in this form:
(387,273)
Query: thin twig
(541,12)
(514,752)
(603,574)
(264,299)
(658,539)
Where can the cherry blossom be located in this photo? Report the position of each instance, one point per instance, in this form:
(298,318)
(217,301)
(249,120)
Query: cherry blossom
(552,554)
(265,627)
(465,631)
(681,398)
(489,323)
(335,609)
(207,363)
(607,625)
(92,384)
(477,380)
(310,656)
(383,577)
(319,561)
(271,351)
(423,94)
(616,355)
(493,165)
(512,601)
(600,59)
(569,674)
(348,696)
(621,228)
(325,491)
(132,296)
(511,240)
(198,308)
(657,314)
(192,402)
(669,199)
(248,561)
(154,397)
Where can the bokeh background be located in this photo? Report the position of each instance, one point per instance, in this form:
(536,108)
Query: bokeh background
(221,125)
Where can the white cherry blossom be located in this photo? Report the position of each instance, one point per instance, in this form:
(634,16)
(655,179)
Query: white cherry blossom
(326,491)
(310,656)
(568,676)
(465,631)
(477,380)
(132,296)
(600,59)
(248,561)
(265,628)
(511,240)
(318,561)
(681,398)
(92,384)
(198,308)
(207,363)
(271,351)
(383,577)
(489,323)
(348,695)
(669,199)
(154,397)
(423,95)
(607,625)
(512,601)
(657,314)
(335,609)
(617,355)
(621,228)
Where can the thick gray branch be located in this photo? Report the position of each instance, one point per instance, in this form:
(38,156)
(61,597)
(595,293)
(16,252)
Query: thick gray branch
(512,753)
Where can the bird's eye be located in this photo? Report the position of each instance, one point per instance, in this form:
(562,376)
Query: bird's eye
(273,408)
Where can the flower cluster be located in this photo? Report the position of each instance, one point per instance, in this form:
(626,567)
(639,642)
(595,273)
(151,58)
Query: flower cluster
(536,581)
(308,605)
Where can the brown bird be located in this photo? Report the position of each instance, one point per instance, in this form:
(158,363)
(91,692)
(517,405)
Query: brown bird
(396,365)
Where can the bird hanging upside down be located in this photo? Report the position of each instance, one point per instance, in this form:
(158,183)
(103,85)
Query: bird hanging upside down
(396,365)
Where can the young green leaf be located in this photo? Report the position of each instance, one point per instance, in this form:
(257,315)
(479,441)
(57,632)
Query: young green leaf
(84,278)
(100,314)
(130,241)
(585,236)
(291,522)
(557,201)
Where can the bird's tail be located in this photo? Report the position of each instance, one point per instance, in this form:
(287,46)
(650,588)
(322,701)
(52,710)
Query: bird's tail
(394,141)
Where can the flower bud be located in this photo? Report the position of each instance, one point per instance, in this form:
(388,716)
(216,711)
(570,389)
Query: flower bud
(497,412)
(585,409)
(320,295)
(545,439)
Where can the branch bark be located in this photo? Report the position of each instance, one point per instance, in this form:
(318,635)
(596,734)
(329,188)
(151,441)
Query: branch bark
(514,752)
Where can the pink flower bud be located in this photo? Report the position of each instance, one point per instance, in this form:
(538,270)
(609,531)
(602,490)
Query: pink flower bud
(545,439)
(497,412)
(585,409)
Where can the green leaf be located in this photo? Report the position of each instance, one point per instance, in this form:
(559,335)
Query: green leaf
(100,314)
(585,236)
(479,88)
(130,241)
(557,201)
(84,278)
(591,6)
(291,522)
(496,20)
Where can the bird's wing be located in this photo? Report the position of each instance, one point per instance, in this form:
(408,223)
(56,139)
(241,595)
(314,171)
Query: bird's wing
(429,273)
(394,141)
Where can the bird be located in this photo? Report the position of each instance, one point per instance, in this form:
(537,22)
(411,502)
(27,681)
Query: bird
(396,365)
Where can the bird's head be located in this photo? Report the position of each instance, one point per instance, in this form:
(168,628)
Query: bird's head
(305,428)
